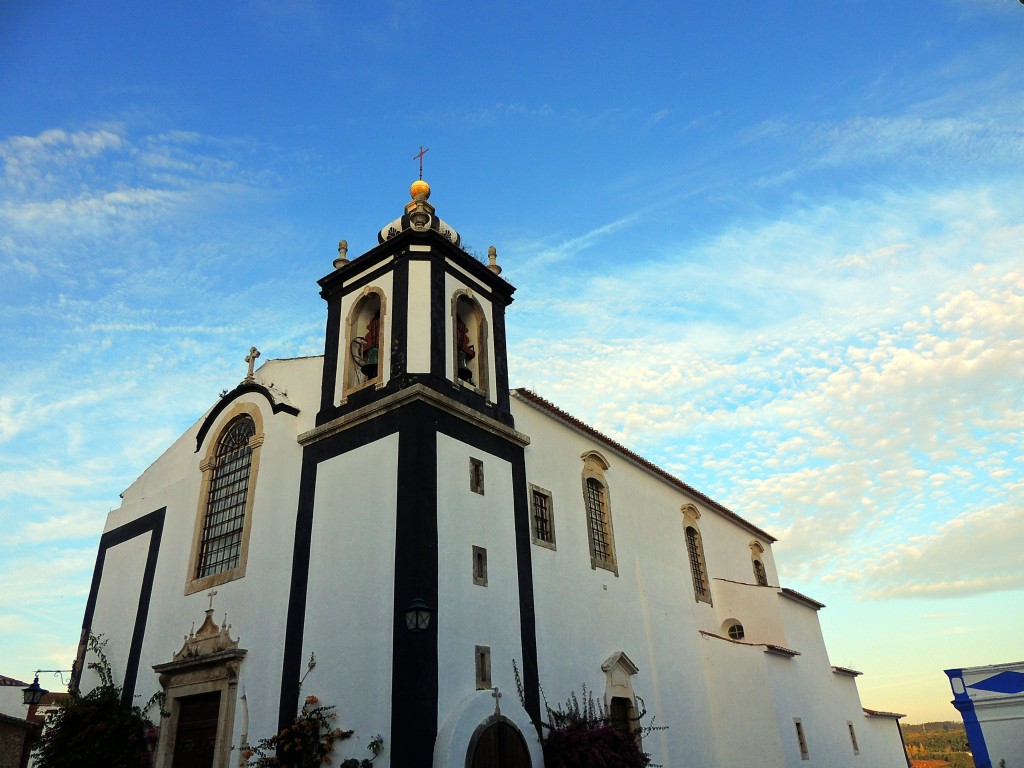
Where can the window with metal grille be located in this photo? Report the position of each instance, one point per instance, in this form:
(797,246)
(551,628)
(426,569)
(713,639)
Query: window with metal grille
(597,517)
(221,541)
(543,519)
(759,574)
(697,570)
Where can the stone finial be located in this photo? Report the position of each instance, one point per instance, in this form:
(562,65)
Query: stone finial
(341,261)
(492,260)
(251,360)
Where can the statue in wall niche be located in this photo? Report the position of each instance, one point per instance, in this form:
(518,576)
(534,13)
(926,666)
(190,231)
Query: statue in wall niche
(466,351)
(370,347)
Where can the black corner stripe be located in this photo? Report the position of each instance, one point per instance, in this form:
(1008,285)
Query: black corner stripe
(152,523)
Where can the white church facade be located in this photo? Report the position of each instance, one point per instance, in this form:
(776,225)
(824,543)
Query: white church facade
(394,508)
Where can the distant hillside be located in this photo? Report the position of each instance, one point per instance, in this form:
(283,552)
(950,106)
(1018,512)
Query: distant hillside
(937,745)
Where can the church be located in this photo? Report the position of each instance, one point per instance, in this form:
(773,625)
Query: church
(455,553)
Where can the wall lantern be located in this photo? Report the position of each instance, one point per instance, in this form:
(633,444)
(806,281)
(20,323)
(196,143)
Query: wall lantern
(33,694)
(417,615)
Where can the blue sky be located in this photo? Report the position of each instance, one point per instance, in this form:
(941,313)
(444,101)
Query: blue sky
(775,248)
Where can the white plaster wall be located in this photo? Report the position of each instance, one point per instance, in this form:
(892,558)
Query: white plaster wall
(350,606)
(114,614)
(648,611)
(385,284)
(418,355)
(467,614)
(740,704)
(880,742)
(12,699)
(756,608)
(451,285)
(256,605)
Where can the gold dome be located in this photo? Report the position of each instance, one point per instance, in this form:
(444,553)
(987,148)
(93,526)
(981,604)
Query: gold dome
(419,187)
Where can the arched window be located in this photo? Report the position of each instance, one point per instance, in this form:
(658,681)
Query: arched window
(695,553)
(760,576)
(221,538)
(470,342)
(364,341)
(599,516)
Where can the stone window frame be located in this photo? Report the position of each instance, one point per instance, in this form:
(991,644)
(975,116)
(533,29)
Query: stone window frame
(694,543)
(535,537)
(594,467)
(349,377)
(476,475)
(479,566)
(207,467)
(478,335)
(801,739)
(482,665)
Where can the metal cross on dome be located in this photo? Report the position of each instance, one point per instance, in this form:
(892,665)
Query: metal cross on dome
(420,158)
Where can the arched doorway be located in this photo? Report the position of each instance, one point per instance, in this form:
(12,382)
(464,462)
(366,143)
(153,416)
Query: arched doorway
(498,744)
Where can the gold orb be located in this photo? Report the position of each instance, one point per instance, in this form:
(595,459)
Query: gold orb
(419,187)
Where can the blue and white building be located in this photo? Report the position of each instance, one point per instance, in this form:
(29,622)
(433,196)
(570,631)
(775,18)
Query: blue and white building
(991,701)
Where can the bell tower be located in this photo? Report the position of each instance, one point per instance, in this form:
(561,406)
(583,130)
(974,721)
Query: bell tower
(417,309)
(413,470)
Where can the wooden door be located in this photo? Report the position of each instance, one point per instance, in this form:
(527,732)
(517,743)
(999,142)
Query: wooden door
(196,737)
(500,746)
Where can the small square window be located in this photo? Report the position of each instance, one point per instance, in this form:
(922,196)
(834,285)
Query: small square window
(542,518)
(480,566)
(804,754)
(476,476)
(483,667)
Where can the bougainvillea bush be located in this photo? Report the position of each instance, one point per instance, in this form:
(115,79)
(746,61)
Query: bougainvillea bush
(309,740)
(96,730)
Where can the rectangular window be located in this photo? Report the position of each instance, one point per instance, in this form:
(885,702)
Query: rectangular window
(483,667)
(543,517)
(804,754)
(476,476)
(853,737)
(480,566)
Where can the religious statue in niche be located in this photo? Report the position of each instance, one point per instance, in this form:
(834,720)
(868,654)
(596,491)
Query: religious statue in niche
(466,351)
(370,348)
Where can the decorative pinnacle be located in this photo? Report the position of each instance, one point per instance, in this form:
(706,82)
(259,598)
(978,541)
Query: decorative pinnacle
(492,260)
(342,260)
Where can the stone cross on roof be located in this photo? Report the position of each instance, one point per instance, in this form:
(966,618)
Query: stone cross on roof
(251,360)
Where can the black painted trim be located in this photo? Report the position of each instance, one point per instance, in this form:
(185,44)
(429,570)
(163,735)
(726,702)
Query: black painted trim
(292,661)
(501,360)
(400,318)
(438,340)
(332,340)
(153,523)
(416,563)
(414,668)
(244,388)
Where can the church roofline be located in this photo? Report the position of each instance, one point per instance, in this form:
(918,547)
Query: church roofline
(538,402)
(878,713)
(801,598)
